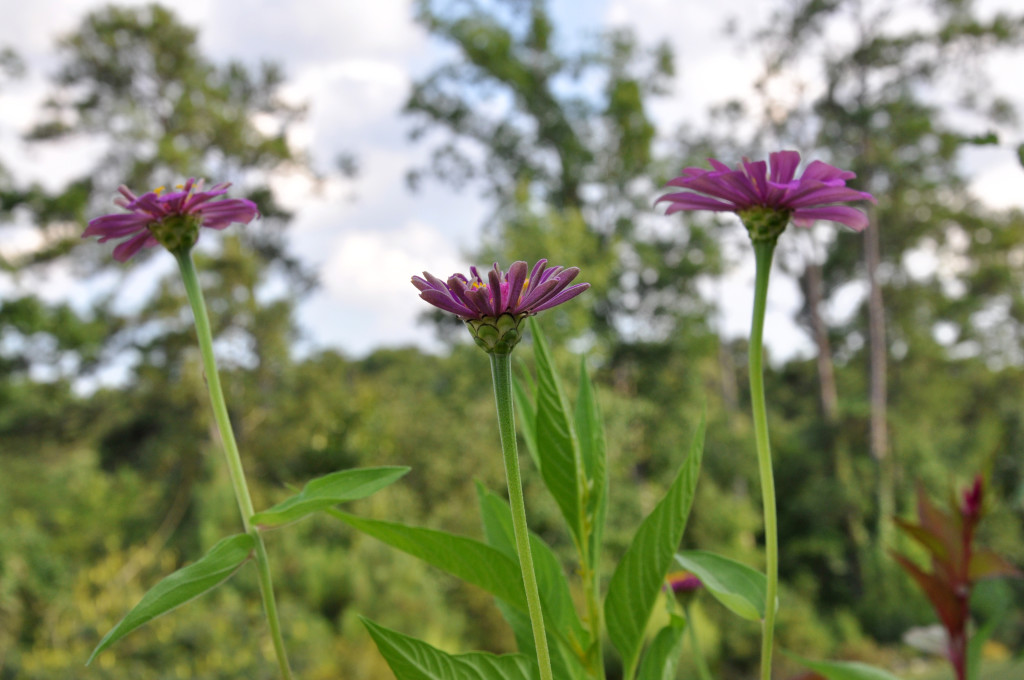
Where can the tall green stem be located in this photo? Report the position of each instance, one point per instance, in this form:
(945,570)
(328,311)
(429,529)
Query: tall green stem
(501,373)
(234,460)
(763,250)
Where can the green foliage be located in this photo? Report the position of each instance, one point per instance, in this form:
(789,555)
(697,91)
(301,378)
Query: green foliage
(210,571)
(558,452)
(411,659)
(640,574)
(844,670)
(737,586)
(593,450)
(325,492)
(466,558)
(662,656)
(552,583)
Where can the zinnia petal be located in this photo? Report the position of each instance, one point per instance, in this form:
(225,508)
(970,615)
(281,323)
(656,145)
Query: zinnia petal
(851,217)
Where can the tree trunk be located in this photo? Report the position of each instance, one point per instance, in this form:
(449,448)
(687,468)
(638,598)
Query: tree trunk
(878,355)
(826,372)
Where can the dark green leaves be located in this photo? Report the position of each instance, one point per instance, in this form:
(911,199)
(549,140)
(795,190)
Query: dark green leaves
(638,578)
(412,659)
(183,585)
(569,449)
(559,611)
(558,449)
(466,558)
(737,586)
(324,492)
(590,432)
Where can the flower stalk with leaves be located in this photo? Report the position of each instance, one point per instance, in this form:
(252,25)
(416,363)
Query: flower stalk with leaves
(173,220)
(767,197)
(493,311)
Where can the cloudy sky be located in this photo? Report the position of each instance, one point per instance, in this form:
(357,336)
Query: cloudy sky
(352,62)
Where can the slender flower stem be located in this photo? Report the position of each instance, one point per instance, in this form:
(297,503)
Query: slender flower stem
(763,250)
(501,373)
(234,460)
(702,664)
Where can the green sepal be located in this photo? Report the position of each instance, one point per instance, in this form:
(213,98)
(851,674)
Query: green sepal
(765,224)
(177,233)
(496,335)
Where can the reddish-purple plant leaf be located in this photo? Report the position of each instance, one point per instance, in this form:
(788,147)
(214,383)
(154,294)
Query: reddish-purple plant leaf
(987,564)
(938,592)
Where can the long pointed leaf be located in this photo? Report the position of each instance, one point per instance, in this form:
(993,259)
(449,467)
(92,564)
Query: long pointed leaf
(662,656)
(187,583)
(412,659)
(590,432)
(329,490)
(561,465)
(740,588)
(468,559)
(993,601)
(638,578)
(556,598)
(526,412)
(843,670)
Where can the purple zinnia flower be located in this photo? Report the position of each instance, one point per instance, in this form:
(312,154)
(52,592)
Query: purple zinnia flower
(756,188)
(171,219)
(493,308)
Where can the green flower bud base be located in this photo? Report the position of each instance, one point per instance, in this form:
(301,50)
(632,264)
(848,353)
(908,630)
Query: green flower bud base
(178,233)
(765,224)
(497,335)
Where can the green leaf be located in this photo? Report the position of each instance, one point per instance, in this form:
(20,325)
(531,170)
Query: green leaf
(741,589)
(662,656)
(561,464)
(988,564)
(556,598)
(187,583)
(329,490)
(590,433)
(1020,154)
(843,670)
(639,576)
(412,659)
(526,412)
(993,601)
(471,560)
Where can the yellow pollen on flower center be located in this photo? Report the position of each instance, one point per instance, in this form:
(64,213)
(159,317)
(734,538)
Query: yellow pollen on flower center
(159,190)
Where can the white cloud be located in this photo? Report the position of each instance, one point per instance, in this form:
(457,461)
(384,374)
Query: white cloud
(1001,184)
(367,299)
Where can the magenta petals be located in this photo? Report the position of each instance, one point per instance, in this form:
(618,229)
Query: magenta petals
(774,186)
(517,292)
(152,209)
